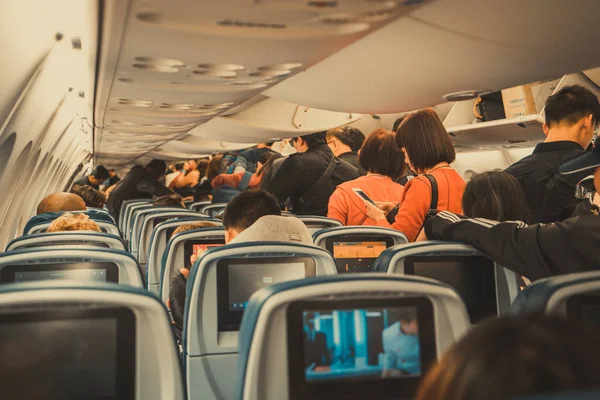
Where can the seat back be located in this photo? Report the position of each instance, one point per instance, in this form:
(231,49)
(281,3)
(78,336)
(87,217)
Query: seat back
(149,222)
(355,248)
(572,295)
(356,335)
(486,288)
(138,219)
(219,285)
(104,212)
(126,209)
(197,206)
(177,254)
(39,223)
(129,217)
(161,236)
(80,263)
(75,340)
(69,238)
(315,223)
(212,209)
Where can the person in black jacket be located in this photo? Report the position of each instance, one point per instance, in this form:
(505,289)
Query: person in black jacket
(95,178)
(139,183)
(571,116)
(345,142)
(309,177)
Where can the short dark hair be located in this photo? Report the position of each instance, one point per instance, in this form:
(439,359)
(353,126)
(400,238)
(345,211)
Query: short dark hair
(169,200)
(179,166)
(177,299)
(425,139)
(91,196)
(514,356)
(314,140)
(495,195)
(381,155)
(348,135)
(571,104)
(247,207)
(156,168)
(100,172)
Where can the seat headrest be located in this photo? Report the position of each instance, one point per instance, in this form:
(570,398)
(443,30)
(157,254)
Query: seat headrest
(275,228)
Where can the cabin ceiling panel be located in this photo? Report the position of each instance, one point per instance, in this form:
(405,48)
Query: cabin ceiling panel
(449,46)
(185,62)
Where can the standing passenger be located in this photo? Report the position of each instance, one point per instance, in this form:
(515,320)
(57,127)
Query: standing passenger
(428,151)
(384,162)
(309,177)
(571,116)
(345,142)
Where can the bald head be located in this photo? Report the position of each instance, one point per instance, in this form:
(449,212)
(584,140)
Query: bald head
(61,201)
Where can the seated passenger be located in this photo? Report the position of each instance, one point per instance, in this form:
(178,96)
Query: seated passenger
(345,142)
(95,178)
(383,161)
(173,173)
(176,302)
(169,200)
(185,183)
(248,159)
(113,178)
(428,151)
(572,114)
(234,180)
(203,191)
(516,356)
(139,183)
(309,177)
(73,222)
(495,195)
(91,196)
(61,201)
(402,353)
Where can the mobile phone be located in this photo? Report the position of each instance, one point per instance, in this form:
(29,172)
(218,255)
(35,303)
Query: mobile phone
(362,194)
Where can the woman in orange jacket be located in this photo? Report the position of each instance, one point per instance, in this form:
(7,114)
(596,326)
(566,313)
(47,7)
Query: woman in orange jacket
(384,162)
(428,151)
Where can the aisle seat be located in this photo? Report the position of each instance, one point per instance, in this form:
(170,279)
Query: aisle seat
(342,334)
(68,238)
(219,286)
(487,288)
(315,223)
(39,223)
(126,209)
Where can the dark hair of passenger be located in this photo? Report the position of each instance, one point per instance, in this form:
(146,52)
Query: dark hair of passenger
(348,135)
(247,207)
(267,159)
(397,123)
(91,196)
(214,166)
(381,155)
(169,200)
(156,168)
(177,299)
(179,166)
(570,104)
(315,140)
(495,195)
(425,139)
(514,356)
(202,167)
(100,172)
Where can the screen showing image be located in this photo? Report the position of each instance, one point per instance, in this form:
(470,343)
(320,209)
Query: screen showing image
(357,256)
(473,278)
(195,247)
(359,348)
(370,343)
(244,280)
(84,272)
(198,249)
(66,358)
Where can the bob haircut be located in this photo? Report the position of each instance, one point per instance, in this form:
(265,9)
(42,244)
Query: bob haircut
(495,195)
(425,140)
(381,155)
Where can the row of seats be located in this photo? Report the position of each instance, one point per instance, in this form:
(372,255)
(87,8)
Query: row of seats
(119,336)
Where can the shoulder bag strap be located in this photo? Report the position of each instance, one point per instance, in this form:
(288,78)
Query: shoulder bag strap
(306,197)
(245,181)
(434,192)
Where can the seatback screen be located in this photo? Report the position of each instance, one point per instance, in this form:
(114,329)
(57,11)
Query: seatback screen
(357,346)
(473,277)
(239,278)
(86,354)
(357,254)
(196,247)
(78,271)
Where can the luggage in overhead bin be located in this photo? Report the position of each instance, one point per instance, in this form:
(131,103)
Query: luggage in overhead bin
(489,107)
(518,101)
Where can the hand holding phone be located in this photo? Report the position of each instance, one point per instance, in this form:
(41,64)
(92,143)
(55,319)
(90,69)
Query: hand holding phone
(363,195)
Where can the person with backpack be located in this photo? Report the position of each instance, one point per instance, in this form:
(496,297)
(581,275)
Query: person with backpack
(429,152)
(227,186)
